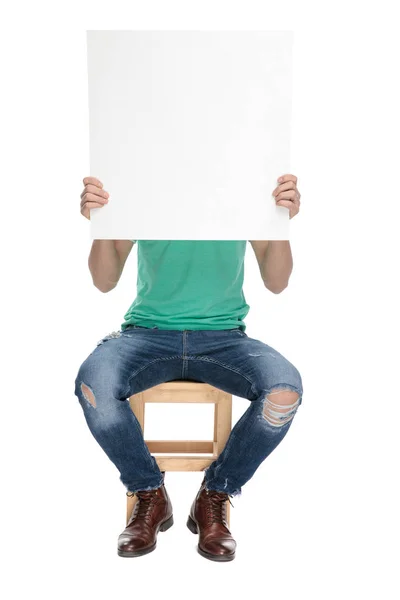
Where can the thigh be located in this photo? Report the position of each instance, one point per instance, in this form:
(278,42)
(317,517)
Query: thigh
(127,362)
(239,364)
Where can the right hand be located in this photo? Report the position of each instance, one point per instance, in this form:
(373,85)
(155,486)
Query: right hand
(93,195)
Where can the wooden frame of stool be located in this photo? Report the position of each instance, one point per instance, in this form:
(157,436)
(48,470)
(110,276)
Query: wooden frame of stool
(173,460)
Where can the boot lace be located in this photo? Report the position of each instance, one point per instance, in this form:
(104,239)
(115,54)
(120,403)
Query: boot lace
(146,500)
(216,507)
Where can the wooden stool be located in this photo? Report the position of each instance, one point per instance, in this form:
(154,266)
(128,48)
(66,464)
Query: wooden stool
(185,391)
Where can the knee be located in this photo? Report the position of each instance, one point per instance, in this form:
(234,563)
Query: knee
(95,382)
(280,406)
(85,383)
(88,394)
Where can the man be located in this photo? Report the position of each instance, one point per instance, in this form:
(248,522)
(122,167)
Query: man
(187,322)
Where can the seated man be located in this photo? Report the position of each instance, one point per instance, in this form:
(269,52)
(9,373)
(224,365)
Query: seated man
(187,322)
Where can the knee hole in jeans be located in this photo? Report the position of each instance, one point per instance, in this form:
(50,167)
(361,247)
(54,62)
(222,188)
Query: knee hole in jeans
(282,408)
(88,394)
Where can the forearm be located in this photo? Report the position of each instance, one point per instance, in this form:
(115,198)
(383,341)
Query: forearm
(277,265)
(105,264)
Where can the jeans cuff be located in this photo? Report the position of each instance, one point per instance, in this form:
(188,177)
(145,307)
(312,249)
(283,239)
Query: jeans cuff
(132,489)
(226,487)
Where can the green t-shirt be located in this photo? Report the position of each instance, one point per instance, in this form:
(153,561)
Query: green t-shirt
(189,285)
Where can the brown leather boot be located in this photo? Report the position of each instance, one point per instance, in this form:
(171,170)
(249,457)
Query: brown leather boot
(152,513)
(208,518)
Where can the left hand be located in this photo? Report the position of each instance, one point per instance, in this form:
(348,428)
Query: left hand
(287,194)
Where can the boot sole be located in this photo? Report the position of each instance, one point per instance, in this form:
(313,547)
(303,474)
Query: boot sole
(163,527)
(192,525)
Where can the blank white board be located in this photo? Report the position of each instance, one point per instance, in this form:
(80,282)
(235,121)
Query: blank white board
(189,131)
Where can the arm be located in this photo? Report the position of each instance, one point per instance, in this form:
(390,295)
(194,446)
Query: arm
(275,261)
(107,257)
(275,256)
(106,262)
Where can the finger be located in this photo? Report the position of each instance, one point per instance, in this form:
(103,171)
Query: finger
(93,181)
(288,177)
(85,212)
(289,195)
(294,207)
(89,205)
(93,198)
(289,185)
(285,203)
(96,191)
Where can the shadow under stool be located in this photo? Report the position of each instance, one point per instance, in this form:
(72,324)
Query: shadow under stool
(205,451)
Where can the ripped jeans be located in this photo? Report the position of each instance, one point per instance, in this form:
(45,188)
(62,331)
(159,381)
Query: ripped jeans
(127,362)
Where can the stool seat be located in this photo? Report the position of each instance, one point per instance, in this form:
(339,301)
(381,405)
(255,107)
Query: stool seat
(173,451)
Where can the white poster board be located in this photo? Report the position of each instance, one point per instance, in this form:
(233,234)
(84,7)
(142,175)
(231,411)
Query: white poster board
(189,131)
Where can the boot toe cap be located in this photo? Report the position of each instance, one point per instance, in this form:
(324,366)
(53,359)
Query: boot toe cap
(220,547)
(131,544)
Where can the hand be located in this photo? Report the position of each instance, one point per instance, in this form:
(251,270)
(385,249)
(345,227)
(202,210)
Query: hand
(287,194)
(93,195)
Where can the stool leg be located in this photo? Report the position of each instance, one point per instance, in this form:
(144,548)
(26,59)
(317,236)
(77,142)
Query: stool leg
(228,513)
(222,430)
(130,505)
(223,420)
(137,405)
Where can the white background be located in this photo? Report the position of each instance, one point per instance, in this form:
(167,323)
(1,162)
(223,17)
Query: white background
(188,130)
(320,517)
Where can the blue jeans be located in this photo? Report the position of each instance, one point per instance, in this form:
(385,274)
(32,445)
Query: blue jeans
(130,361)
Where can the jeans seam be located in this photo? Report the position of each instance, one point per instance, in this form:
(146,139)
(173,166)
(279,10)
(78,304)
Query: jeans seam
(220,364)
(146,367)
